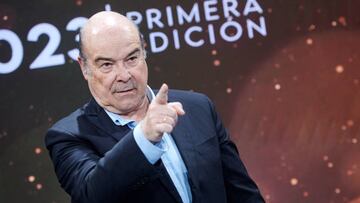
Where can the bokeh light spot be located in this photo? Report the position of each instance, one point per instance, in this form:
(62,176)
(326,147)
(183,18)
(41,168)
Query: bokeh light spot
(339,69)
(31,178)
(217,62)
(294,181)
(38,150)
(309,41)
(277,86)
(39,186)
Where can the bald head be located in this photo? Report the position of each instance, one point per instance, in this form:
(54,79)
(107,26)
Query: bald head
(102,24)
(113,63)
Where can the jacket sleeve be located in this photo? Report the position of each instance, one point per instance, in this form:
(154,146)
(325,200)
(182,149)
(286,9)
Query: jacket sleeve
(238,184)
(87,177)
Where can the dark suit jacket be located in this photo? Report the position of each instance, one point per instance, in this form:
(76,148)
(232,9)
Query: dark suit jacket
(97,161)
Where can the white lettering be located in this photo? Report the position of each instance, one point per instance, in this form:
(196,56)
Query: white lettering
(252,6)
(47,56)
(251,26)
(176,39)
(135,16)
(234,37)
(169,16)
(153,16)
(194,14)
(211,34)
(17,51)
(230,7)
(209,16)
(154,47)
(74,25)
(188,39)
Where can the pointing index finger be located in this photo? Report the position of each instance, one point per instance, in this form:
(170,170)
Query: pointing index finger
(162,96)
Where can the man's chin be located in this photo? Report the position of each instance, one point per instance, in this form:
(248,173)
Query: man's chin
(127,105)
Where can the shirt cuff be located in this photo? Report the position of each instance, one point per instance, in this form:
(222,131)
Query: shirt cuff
(152,152)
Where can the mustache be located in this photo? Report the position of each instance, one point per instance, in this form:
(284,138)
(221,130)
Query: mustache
(123,87)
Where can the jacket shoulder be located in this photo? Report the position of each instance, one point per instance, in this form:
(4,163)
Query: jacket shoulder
(188,96)
(194,102)
(70,122)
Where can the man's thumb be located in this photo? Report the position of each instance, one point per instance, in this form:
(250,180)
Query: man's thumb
(162,96)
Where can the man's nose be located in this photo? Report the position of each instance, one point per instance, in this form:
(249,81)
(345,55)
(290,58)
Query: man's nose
(122,73)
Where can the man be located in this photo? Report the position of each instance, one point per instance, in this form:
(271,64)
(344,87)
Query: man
(128,145)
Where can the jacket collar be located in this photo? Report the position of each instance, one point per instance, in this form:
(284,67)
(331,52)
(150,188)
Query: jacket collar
(98,117)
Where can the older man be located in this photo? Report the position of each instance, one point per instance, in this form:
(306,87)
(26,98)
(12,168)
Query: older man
(128,145)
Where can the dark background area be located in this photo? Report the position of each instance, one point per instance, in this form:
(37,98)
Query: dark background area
(290,99)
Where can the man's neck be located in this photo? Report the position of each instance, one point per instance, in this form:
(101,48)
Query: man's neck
(139,113)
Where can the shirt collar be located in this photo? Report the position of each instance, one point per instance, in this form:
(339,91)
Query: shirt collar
(118,120)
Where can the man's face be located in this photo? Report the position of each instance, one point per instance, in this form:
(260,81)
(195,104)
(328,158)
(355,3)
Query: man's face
(115,69)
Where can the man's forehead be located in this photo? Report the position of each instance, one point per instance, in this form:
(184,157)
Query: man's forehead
(113,56)
(110,28)
(108,23)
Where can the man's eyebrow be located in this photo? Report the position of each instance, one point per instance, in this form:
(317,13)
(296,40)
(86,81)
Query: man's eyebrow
(133,52)
(100,58)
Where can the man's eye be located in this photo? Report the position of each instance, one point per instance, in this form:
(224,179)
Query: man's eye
(132,61)
(133,58)
(106,65)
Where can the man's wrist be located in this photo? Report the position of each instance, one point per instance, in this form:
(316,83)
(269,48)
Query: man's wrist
(152,150)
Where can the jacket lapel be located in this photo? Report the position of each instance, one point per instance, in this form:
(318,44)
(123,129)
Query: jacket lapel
(186,148)
(167,182)
(185,143)
(98,117)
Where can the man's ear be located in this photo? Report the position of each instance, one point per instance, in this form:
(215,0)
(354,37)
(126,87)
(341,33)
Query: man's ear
(83,67)
(145,54)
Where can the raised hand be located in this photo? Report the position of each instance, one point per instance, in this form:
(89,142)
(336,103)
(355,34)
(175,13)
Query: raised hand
(161,116)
